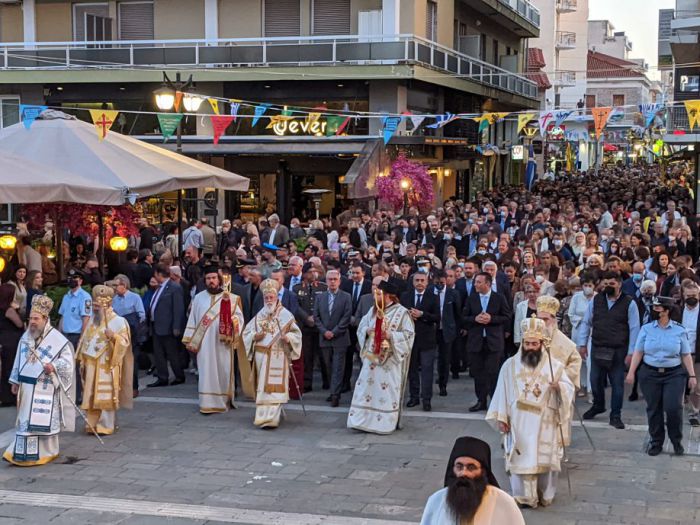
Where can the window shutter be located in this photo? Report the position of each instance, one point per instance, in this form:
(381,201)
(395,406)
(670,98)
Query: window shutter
(282,18)
(331,17)
(79,12)
(136,21)
(431,21)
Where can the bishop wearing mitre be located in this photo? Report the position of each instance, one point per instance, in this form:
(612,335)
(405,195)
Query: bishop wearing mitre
(385,337)
(272,340)
(214,324)
(106,364)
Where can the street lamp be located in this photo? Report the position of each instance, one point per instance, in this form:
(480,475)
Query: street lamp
(118,244)
(405,187)
(8,242)
(165,101)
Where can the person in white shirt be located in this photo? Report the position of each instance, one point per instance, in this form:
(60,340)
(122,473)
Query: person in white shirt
(576,312)
(670,215)
(471,494)
(689,320)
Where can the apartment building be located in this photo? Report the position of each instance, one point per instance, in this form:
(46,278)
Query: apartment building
(422,56)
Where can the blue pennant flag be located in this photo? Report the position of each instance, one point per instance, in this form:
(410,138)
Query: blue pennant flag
(561,116)
(259,112)
(442,120)
(28,114)
(649,111)
(391,124)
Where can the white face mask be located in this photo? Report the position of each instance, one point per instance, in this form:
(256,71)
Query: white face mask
(558,243)
(539,279)
(588,291)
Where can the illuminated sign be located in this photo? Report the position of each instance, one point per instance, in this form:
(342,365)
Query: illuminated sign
(518,152)
(298,127)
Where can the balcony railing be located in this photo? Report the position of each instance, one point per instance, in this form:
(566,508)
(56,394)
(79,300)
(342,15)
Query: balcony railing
(302,51)
(567,6)
(565,78)
(566,40)
(678,121)
(525,9)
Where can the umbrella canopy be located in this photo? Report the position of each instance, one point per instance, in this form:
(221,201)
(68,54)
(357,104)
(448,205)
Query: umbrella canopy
(61,149)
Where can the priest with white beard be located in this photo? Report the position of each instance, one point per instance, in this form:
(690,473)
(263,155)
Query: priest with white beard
(471,494)
(43,376)
(214,324)
(531,407)
(385,337)
(272,340)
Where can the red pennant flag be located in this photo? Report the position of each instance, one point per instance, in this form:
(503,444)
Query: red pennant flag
(219,123)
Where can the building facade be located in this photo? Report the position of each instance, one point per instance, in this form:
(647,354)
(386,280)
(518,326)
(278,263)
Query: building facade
(368,56)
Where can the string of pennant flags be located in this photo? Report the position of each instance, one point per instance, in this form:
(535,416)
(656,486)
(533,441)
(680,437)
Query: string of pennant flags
(336,122)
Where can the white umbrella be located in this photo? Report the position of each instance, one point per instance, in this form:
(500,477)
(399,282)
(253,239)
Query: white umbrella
(69,152)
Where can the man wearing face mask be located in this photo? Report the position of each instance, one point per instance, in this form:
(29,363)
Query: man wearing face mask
(632,286)
(611,323)
(690,320)
(75,312)
(577,311)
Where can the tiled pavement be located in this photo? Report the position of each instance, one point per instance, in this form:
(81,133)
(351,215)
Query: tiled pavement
(169,464)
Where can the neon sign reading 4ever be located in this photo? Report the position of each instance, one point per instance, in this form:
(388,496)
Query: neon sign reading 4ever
(299,127)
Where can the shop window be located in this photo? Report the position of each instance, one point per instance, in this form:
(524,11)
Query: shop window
(689,83)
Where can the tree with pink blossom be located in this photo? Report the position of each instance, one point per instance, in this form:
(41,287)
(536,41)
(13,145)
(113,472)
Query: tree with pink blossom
(406,173)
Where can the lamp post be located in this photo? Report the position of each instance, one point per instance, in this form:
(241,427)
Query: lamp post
(405,187)
(165,101)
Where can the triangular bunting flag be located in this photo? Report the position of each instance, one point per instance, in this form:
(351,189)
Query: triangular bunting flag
(235,106)
(544,120)
(561,116)
(214,105)
(391,124)
(648,112)
(28,114)
(335,124)
(442,120)
(178,100)
(259,112)
(416,120)
(312,118)
(692,107)
(168,124)
(524,119)
(219,123)
(600,119)
(275,119)
(103,120)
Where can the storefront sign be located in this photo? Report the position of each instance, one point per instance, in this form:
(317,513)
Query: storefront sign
(518,152)
(299,127)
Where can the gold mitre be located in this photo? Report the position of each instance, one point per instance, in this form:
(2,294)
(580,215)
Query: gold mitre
(270,286)
(102,295)
(533,328)
(548,304)
(42,305)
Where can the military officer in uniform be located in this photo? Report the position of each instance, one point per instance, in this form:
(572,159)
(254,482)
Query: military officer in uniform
(307,292)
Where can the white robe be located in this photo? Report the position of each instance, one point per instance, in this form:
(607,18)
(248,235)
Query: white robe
(272,361)
(37,446)
(497,508)
(216,383)
(377,400)
(524,401)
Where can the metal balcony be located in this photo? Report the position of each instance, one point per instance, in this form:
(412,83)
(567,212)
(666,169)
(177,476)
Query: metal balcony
(525,9)
(565,78)
(222,54)
(567,6)
(566,40)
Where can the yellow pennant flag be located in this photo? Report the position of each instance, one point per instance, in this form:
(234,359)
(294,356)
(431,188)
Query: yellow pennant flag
(524,119)
(277,119)
(214,105)
(312,118)
(103,120)
(692,107)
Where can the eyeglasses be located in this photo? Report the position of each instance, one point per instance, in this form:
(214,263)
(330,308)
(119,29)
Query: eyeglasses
(470,467)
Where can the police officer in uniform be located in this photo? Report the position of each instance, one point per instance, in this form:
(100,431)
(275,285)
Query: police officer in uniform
(307,293)
(75,312)
(663,356)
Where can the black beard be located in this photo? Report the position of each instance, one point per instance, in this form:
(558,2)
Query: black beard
(464,496)
(214,291)
(531,359)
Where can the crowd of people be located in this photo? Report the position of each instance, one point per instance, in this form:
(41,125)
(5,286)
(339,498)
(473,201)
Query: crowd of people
(380,304)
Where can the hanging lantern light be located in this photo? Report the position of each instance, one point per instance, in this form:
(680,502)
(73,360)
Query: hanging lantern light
(118,244)
(2,265)
(8,242)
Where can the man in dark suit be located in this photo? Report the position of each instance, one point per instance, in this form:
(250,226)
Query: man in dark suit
(277,234)
(448,329)
(465,284)
(167,318)
(287,298)
(499,281)
(357,286)
(252,296)
(332,313)
(486,315)
(424,309)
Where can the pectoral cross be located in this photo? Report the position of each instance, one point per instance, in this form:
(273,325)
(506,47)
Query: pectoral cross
(45,352)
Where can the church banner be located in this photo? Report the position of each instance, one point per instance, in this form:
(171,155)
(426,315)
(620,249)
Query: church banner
(168,124)
(560,117)
(524,119)
(103,120)
(543,121)
(219,123)
(600,119)
(692,107)
(442,120)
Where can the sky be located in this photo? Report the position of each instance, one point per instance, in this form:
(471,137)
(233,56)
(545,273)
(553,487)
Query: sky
(641,28)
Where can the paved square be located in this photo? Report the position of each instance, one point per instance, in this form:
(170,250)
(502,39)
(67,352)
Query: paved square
(169,464)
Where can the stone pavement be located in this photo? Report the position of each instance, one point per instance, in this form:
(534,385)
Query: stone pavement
(169,464)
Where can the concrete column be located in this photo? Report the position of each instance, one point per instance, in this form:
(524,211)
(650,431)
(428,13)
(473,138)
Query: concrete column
(386,96)
(29,20)
(391,16)
(211,19)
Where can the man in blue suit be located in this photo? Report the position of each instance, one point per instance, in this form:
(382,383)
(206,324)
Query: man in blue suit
(166,317)
(288,299)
